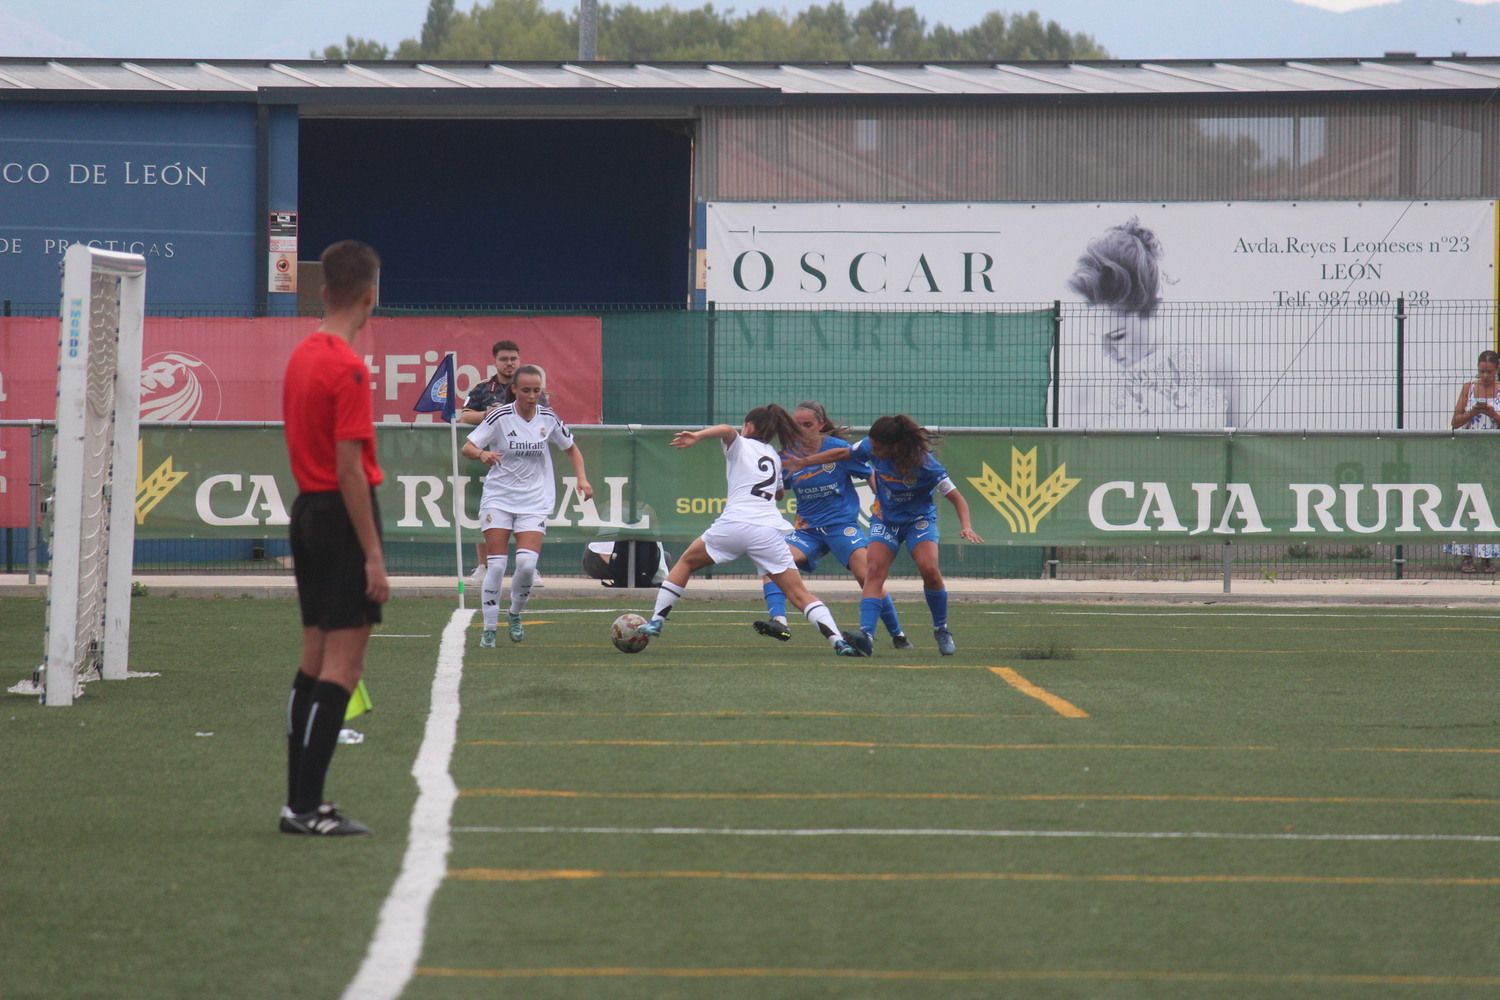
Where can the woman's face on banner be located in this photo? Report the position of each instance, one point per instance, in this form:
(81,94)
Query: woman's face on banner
(1126,337)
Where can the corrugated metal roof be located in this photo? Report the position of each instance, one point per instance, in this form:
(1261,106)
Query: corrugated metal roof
(75,77)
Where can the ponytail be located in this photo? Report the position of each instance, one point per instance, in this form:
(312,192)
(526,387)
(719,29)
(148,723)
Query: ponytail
(771,421)
(910,443)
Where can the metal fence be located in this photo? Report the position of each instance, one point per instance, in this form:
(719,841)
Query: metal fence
(1342,362)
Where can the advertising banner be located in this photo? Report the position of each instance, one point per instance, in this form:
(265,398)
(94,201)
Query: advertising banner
(1180,316)
(1292,253)
(174,183)
(1040,489)
(214,368)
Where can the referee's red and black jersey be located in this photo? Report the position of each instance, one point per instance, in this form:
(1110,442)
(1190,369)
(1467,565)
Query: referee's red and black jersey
(325,398)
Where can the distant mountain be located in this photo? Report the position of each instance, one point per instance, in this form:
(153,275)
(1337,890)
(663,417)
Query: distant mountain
(1248,29)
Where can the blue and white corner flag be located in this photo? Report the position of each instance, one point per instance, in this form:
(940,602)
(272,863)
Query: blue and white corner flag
(439,395)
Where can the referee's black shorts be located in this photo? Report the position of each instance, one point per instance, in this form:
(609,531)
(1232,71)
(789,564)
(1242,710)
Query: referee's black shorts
(329,563)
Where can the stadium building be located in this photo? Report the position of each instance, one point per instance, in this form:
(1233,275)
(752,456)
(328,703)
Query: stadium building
(677,242)
(601,171)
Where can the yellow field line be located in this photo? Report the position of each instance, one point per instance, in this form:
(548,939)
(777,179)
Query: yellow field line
(964,975)
(1062,707)
(1318,800)
(1123,878)
(875,745)
(526,621)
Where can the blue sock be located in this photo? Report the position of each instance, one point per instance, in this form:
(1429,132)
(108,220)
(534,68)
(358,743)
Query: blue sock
(937,603)
(775,599)
(869,614)
(888,615)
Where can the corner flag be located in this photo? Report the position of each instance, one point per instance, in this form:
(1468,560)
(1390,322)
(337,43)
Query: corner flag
(439,396)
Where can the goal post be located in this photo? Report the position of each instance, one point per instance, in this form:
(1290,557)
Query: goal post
(94,469)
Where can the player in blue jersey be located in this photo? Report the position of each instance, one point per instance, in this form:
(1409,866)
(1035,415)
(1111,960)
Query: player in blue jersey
(827,521)
(906,475)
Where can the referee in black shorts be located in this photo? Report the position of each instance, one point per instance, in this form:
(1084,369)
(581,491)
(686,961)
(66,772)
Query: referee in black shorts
(335,528)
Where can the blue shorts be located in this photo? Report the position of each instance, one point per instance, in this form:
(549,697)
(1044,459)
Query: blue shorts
(909,533)
(842,540)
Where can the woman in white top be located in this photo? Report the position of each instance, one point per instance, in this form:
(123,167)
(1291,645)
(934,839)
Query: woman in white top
(1478,409)
(751,525)
(515,441)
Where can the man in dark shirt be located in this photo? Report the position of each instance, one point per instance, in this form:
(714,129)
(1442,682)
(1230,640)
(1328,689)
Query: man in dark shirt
(498,389)
(335,532)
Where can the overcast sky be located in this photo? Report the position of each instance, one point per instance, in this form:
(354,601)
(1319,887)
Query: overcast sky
(294,29)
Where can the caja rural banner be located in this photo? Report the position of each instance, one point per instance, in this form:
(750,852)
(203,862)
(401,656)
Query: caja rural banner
(1040,489)
(1325,277)
(216,368)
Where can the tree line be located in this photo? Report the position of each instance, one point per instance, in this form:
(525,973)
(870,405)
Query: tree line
(525,30)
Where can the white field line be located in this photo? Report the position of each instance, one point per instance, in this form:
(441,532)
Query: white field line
(691,831)
(391,959)
(543,612)
(1249,614)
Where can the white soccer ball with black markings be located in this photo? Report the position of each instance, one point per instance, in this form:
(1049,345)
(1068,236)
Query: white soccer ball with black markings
(626,633)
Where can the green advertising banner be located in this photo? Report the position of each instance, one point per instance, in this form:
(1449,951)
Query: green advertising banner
(1023,488)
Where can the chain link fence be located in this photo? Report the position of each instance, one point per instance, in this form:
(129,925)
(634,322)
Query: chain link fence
(1347,361)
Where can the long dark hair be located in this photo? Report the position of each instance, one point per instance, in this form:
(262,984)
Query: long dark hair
(771,421)
(826,426)
(910,443)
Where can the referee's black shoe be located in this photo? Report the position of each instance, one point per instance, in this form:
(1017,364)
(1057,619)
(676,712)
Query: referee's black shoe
(325,821)
(859,641)
(773,628)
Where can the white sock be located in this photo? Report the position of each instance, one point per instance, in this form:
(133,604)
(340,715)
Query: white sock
(489,594)
(666,596)
(520,580)
(817,612)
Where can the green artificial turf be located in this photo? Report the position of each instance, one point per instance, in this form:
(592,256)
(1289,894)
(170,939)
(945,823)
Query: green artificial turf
(724,815)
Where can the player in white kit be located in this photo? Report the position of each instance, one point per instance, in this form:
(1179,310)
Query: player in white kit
(515,441)
(750,524)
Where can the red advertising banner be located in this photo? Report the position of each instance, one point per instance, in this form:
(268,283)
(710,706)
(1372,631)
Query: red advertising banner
(218,368)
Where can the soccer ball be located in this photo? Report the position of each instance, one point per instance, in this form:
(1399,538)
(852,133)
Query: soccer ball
(626,633)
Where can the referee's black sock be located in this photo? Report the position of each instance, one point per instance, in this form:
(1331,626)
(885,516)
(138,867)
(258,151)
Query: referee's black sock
(298,702)
(320,737)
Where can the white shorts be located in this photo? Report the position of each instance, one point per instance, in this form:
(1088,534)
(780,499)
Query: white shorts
(494,517)
(765,546)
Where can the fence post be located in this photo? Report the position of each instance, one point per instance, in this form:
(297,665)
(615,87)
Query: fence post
(34,495)
(1056,395)
(1400,560)
(1228,476)
(711,332)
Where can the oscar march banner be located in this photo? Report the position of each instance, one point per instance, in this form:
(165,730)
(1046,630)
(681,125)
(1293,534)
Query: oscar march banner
(1047,488)
(1253,306)
(1290,253)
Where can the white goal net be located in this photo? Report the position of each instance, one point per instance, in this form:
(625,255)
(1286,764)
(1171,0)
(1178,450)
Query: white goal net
(94,471)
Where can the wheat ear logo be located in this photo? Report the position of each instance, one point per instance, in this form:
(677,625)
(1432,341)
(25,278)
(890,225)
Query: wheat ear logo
(152,490)
(1023,502)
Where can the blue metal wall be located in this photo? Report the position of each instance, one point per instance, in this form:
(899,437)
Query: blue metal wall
(174,182)
(505,212)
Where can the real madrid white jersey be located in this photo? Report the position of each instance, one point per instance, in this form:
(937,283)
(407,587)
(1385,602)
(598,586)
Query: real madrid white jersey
(522,481)
(754,472)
